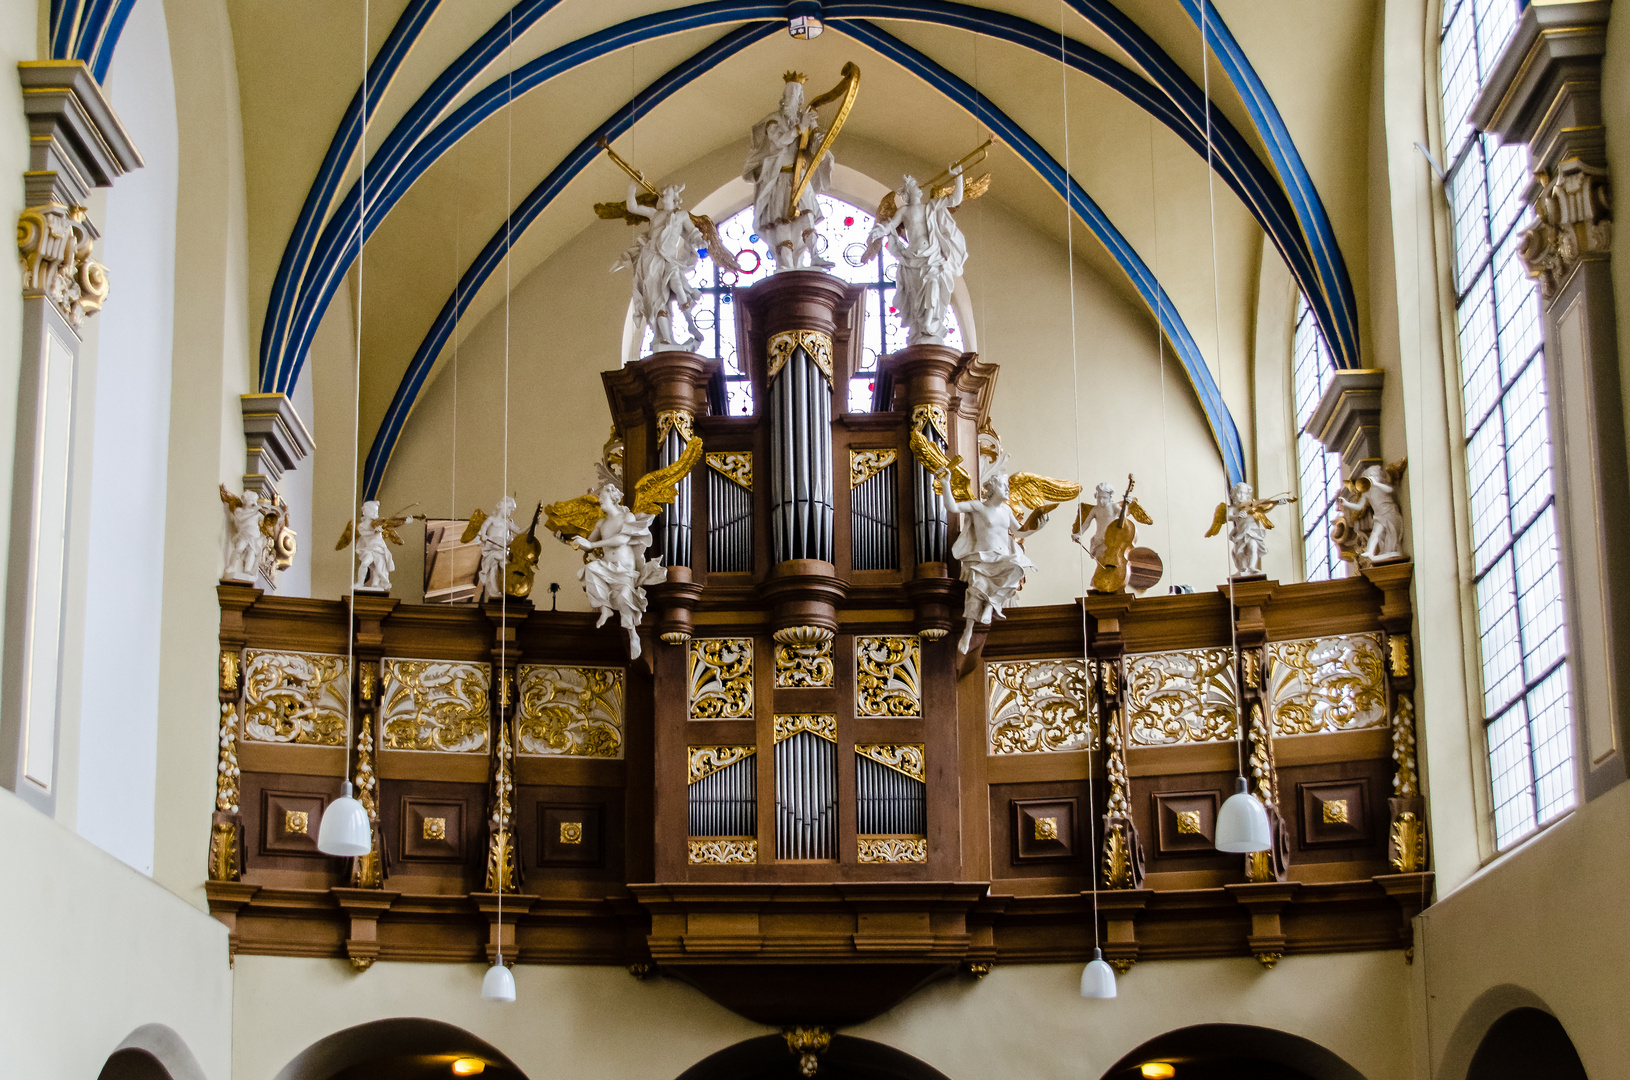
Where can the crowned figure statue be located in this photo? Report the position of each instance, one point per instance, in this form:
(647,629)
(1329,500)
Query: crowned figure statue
(783,148)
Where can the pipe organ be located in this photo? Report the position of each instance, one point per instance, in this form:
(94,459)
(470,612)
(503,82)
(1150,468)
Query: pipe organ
(800,797)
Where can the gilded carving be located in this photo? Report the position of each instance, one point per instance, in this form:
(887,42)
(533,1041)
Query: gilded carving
(1046,828)
(1186,696)
(1116,767)
(924,416)
(226,769)
(54,246)
(500,876)
(229,671)
(674,420)
(1037,706)
(1405,781)
(223,851)
(1117,859)
(1573,221)
(571,832)
(824,725)
(435,828)
(1398,655)
(296,822)
(813,342)
(1334,812)
(723,851)
(1326,684)
(1188,822)
(888,674)
(804,666)
(1408,843)
(735,466)
(439,705)
(893,849)
(365,681)
(297,698)
(368,871)
(1263,770)
(570,711)
(704,761)
(905,758)
(721,678)
(865,464)
(1251,667)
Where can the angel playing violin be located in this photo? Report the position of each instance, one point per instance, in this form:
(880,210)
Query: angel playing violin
(1247,519)
(373,536)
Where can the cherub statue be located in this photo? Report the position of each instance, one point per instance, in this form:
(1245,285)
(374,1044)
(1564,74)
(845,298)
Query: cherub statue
(1247,519)
(1096,518)
(931,251)
(246,539)
(374,534)
(495,534)
(790,165)
(661,260)
(990,546)
(613,537)
(1370,528)
(1112,541)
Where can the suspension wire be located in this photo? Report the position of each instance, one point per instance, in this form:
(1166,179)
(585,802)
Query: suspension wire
(356,405)
(503,579)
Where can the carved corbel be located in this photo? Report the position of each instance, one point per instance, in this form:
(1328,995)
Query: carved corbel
(808,1043)
(364,906)
(1264,902)
(54,246)
(1573,212)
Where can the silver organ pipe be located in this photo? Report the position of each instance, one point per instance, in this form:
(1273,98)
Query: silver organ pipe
(730,525)
(671,538)
(801,461)
(874,529)
(890,803)
(725,803)
(806,797)
(929,512)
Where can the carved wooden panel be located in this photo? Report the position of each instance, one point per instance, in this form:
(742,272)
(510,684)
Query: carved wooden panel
(571,834)
(295,697)
(804,667)
(1183,696)
(888,676)
(1335,812)
(1326,684)
(570,711)
(1037,706)
(1185,821)
(432,830)
(289,822)
(436,705)
(721,678)
(1044,829)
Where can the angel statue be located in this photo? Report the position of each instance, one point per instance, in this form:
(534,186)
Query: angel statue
(495,534)
(246,542)
(374,534)
(613,538)
(931,252)
(990,546)
(1371,527)
(790,165)
(1247,519)
(1112,538)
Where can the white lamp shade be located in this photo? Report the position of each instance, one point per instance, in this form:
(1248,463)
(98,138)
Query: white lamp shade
(344,829)
(1242,823)
(1097,978)
(498,984)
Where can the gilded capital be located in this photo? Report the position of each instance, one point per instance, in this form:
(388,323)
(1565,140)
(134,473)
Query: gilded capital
(54,247)
(1573,214)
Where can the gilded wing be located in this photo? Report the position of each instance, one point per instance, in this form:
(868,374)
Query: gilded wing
(232,501)
(388,527)
(478,518)
(573,517)
(345,538)
(1395,471)
(716,247)
(1139,513)
(934,460)
(971,189)
(656,489)
(1218,520)
(618,211)
(1026,491)
(1262,516)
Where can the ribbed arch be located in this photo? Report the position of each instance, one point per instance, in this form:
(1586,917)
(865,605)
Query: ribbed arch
(88,30)
(1216,411)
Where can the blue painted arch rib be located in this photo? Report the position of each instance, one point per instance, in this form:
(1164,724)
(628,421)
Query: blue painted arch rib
(491,256)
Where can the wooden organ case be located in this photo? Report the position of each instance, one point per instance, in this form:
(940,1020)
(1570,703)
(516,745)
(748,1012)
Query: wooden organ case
(802,798)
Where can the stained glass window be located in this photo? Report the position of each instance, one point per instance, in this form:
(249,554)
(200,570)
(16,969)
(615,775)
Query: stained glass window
(843,235)
(1508,445)
(1318,470)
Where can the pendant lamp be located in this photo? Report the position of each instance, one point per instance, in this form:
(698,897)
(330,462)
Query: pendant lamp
(1097,978)
(344,830)
(1242,823)
(498,984)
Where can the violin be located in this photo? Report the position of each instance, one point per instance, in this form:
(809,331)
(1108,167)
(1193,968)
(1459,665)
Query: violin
(1119,539)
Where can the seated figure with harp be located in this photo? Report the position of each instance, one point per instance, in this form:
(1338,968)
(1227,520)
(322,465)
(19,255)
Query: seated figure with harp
(790,166)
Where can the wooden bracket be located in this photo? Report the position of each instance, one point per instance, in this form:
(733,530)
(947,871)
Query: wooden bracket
(364,906)
(1264,900)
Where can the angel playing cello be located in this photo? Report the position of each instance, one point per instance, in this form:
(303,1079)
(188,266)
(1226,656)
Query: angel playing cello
(614,537)
(1247,519)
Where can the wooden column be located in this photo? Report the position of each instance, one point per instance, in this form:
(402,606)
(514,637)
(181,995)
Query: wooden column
(921,375)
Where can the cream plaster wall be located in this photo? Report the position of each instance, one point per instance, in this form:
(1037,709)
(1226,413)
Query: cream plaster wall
(93,950)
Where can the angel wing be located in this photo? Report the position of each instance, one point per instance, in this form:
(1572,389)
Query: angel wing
(1026,491)
(1261,516)
(971,189)
(345,538)
(717,250)
(1139,513)
(1395,471)
(478,518)
(388,527)
(232,501)
(656,489)
(1218,520)
(573,517)
(935,461)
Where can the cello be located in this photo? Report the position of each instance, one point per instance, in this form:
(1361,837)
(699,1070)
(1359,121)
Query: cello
(1119,538)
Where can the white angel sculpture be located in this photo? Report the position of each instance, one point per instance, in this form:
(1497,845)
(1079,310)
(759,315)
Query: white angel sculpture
(781,152)
(1371,528)
(495,533)
(1096,520)
(246,536)
(374,535)
(661,260)
(613,537)
(1247,519)
(931,251)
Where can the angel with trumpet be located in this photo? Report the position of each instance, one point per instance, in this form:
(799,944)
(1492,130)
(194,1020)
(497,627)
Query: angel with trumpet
(1247,519)
(614,537)
(374,534)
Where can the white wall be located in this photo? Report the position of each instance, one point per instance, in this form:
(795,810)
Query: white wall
(118,731)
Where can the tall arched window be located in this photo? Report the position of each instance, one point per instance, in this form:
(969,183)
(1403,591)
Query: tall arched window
(1318,470)
(1508,445)
(844,231)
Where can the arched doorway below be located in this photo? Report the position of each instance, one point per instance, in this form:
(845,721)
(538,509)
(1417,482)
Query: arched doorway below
(847,1058)
(1234,1052)
(404,1048)
(1526,1043)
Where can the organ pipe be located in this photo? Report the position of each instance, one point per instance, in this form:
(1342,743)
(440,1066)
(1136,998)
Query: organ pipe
(801,461)
(806,797)
(890,803)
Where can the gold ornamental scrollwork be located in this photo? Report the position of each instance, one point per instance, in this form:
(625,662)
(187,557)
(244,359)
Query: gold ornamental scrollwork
(299,698)
(907,759)
(824,725)
(804,667)
(226,769)
(1409,842)
(1398,655)
(230,670)
(813,342)
(1039,706)
(893,849)
(675,420)
(365,680)
(1326,684)
(926,416)
(570,711)
(723,850)
(501,874)
(54,247)
(721,678)
(1185,696)
(888,676)
(735,466)
(223,851)
(703,761)
(865,464)
(368,871)
(436,705)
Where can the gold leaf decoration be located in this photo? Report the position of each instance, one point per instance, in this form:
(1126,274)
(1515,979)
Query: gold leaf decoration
(435,705)
(783,345)
(1040,706)
(736,466)
(704,761)
(905,758)
(888,675)
(824,725)
(1178,697)
(893,849)
(569,711)
(723,850)
(865,464)
(804,666)
(1326,684)
(721,678)
(299,698)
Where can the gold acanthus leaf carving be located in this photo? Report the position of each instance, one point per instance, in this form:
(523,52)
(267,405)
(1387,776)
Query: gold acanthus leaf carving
(1408,838)
(865,464)
(888,674)
(721,678)
(436,705)
(1186,696)
(223,851)
(299,698)
(783,345)
(804,666)
(54,247)
(675,420)
(1038,706)
(570,711)
(704,761)
(893,849)
(230,670)
(735,466)
(1326,684)
(824,725)
(723,851)
(905,758)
